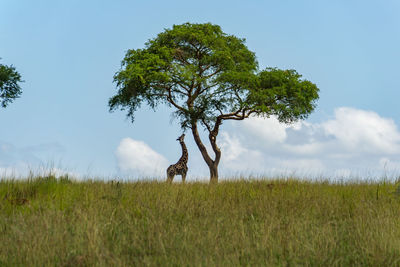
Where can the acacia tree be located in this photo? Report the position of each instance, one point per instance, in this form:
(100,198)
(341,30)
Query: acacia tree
(208,77)
(9,87)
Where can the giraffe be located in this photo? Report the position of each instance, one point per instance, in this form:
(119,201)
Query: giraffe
(179,168)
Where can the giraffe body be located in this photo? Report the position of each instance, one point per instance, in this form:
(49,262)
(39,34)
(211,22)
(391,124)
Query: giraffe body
(179,168)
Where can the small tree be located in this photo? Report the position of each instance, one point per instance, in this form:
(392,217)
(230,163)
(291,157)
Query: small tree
(9,87)
(208,77)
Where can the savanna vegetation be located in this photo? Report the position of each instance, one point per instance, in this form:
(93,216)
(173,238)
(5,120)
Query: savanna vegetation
(46,221)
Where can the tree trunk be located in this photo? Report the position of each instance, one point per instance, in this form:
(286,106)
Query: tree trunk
(213,173)
(212,164)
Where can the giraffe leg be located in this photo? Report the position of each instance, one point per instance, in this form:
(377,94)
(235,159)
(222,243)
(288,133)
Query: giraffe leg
(183,177)
(170,175)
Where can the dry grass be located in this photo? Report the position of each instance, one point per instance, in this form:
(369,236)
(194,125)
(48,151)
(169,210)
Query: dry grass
(56,222)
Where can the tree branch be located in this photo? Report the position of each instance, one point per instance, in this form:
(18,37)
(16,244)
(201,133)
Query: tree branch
(212,74)
(238,115)
(171,100)
(208,87)
(177,80)
(205,124)
(220,110)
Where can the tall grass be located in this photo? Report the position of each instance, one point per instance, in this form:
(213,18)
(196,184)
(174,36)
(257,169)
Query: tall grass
(47,221)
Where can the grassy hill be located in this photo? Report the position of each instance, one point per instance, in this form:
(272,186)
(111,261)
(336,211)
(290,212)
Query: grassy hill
(58,222)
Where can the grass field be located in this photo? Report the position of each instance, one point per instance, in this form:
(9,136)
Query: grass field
(46,221)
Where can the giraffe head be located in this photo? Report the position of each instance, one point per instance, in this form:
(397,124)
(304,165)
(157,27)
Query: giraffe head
(180,138)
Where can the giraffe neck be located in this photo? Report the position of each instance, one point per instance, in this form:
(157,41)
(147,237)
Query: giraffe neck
(184,157)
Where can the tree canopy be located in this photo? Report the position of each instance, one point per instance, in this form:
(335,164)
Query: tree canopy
(9,87)
(208,77)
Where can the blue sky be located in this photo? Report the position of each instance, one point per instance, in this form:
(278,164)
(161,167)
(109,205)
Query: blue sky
(68,52)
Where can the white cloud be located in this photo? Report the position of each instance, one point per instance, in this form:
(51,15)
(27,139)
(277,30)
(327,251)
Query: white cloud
(354,141)
(270,130)
(238,157)
(305,149)
(363,131)
(232,147)
(136,157)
